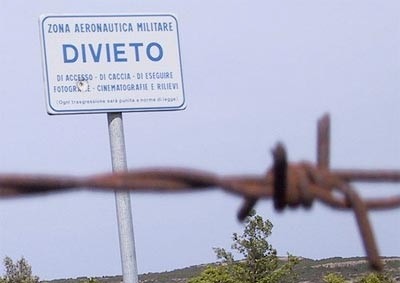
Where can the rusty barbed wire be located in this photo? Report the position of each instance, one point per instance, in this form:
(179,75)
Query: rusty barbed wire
(288,184)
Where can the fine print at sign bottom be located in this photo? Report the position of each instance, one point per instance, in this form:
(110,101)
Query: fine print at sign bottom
(85,75)
(120,102)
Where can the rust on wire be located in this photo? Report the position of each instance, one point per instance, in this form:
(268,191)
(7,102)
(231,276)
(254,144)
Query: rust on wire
(279,170)
(323,142)
(288,184)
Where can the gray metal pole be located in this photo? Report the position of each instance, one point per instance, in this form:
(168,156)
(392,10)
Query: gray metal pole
(122,200)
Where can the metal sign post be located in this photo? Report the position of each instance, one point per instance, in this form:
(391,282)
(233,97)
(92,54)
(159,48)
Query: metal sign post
(113,64)
(122,200)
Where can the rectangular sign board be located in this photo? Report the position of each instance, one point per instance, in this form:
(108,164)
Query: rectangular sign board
(111,63)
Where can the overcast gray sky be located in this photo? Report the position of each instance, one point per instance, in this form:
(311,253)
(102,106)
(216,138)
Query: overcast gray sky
(255,72)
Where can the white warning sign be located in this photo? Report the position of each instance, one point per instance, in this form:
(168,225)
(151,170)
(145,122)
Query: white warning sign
(111,63)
